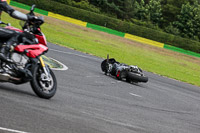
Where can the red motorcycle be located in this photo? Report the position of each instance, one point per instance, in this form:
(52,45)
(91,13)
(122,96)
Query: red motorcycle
(27,64)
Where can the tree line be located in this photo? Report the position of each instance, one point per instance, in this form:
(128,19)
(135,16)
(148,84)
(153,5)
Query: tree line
(178,17)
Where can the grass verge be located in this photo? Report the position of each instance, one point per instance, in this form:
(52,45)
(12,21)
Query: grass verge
(160,61)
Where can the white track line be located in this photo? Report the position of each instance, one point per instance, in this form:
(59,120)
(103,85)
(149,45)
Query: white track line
(11,130)
(64,52)
(62,69)
(106,119)
(135,95)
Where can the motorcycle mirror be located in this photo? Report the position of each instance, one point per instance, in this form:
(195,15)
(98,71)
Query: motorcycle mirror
(32,8)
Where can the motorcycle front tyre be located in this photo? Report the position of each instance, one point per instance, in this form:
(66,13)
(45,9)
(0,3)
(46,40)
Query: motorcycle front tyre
(39,87)
(135,77)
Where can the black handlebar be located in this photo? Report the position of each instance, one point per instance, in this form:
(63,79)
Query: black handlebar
(33,20)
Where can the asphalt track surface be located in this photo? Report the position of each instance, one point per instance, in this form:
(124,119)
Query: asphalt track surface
(87,101)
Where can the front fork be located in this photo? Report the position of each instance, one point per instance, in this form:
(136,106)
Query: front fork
(46,72)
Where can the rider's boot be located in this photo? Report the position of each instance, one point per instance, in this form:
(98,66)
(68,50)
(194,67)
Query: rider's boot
(4,51)
(3,54)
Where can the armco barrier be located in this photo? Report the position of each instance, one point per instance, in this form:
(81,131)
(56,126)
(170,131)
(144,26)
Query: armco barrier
(104,29)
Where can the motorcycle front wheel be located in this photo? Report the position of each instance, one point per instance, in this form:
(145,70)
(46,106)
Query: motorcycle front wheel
(136,77)
(42,88)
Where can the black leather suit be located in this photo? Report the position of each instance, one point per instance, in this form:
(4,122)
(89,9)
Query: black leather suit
(8,37)
(6,34)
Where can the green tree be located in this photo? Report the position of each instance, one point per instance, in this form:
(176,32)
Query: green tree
(129,9)
(84,4)
(172,8)
(117,7)
(142,11)
(123,9)
(97,3)
(150,12)
(188,21)
(113,7)
(155,11)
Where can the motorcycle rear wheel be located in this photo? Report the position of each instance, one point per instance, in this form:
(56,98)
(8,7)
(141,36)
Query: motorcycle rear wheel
(43,89)
(136,77)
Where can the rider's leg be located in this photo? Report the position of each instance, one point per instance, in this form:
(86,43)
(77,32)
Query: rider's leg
(6,48)
(11,37)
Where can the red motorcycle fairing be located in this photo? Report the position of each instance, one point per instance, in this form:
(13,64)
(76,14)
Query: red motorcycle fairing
(41,39)
(33,50)
(13,28)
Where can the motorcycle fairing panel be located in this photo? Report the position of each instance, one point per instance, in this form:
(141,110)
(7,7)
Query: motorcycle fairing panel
(13,28)
(32,50)
(41,39)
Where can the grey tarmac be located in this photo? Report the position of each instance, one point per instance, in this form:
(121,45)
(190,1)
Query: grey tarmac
(87,101)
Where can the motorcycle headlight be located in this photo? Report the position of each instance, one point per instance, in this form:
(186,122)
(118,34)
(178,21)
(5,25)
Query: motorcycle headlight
(36,40)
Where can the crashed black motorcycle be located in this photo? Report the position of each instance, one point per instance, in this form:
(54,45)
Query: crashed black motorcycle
(122,71)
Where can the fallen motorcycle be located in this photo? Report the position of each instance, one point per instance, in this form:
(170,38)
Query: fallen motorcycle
(122,71)
(26,63)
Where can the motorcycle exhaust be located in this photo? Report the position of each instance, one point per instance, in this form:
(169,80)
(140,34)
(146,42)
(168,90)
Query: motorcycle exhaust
(6,77)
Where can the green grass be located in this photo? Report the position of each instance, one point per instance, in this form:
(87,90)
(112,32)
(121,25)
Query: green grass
(167,63)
